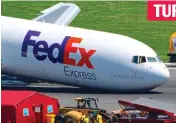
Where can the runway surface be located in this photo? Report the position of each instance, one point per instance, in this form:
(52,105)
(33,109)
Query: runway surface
(108,101)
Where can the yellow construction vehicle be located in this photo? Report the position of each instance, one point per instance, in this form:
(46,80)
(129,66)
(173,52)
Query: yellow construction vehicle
(86,108)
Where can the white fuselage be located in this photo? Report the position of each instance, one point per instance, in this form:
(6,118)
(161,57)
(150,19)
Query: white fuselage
(78,57)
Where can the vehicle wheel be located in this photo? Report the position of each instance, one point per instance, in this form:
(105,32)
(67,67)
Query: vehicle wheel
(59,119)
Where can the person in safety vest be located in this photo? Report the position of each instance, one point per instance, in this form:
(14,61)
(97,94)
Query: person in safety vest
(85,119)
(99,119)
(82,118)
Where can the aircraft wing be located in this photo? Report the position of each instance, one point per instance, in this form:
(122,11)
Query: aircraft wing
(60,14)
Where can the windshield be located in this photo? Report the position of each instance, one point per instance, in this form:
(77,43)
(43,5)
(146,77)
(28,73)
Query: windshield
(158,59)
(151,59)
(92,104)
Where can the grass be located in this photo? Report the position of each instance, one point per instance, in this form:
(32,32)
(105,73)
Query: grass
(122,17)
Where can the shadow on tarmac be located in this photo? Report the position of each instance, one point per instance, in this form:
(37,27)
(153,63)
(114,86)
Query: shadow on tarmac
(55,88)
(70,90)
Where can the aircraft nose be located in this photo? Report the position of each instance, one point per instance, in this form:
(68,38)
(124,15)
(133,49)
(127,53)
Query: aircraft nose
(162,76)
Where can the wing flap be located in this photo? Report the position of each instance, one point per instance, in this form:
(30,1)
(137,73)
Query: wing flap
(60,14)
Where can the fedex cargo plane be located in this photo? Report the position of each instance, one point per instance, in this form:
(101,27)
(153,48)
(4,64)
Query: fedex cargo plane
(46,48)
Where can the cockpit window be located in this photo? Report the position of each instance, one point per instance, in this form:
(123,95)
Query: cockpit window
(135,59)
(158,59)
(151,59)
(142,59)
(139,59)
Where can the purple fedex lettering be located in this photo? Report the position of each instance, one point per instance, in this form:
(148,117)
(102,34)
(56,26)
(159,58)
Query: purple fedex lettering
(37,49)
(65,48)
(42,46)
(27,42)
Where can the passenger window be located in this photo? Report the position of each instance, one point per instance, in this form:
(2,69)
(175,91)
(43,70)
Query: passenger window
(135,59)
(142,59)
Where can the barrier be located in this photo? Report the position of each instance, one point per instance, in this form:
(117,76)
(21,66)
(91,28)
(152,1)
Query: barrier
(170,64)
(50,118)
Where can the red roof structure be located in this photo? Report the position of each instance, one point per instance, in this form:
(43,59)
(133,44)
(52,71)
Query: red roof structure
(26,106)
(14,97)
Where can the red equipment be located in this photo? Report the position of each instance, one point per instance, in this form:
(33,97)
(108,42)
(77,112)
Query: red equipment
(155,111)
(26,106)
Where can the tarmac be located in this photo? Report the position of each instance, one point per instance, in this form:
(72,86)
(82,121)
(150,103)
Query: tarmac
(107,100)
